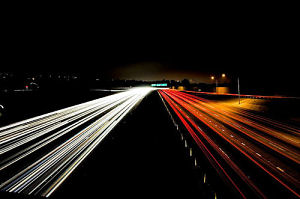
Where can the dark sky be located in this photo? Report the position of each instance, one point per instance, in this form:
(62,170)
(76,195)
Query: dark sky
(259,47)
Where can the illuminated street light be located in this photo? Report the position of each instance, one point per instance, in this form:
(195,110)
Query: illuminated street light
(212,78)
(224,76)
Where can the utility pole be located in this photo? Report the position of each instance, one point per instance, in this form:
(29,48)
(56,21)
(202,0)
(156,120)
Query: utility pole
(238,81)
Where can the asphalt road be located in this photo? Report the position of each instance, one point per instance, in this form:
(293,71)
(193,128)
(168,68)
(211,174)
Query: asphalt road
(248,150)
(45,175)
(171,144)
(142,156)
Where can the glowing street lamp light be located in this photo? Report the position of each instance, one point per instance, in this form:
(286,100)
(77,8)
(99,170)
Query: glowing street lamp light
(238,84)
(213,77)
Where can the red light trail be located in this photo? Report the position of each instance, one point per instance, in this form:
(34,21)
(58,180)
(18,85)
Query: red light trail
(249,134)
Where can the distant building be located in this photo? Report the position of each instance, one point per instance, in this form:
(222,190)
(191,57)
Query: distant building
(222,89)
(181,88)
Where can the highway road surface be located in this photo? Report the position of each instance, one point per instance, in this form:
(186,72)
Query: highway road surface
(255,156)
(75,132)
(258,157)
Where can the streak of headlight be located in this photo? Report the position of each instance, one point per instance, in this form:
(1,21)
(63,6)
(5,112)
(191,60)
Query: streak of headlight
(58,164)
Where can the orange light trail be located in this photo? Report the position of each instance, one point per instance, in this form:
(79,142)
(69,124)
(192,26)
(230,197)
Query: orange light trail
(243,138)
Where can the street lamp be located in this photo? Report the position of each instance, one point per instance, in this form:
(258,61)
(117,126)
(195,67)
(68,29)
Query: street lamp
(224,76)
(238,81)
(213,77)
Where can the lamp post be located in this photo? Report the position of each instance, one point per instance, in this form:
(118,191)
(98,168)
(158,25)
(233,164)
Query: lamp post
(213,77)
(224,76)
(238,81)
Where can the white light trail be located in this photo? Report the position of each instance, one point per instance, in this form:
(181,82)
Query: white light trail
(46,174)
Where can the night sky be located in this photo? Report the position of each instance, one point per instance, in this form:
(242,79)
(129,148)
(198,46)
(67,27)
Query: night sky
(259,50)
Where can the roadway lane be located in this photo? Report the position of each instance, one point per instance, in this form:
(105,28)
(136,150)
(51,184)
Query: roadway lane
(44,175)
(142,157)
(274,150)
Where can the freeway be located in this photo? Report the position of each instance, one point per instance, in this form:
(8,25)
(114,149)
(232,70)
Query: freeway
(241,145)
(76,131)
